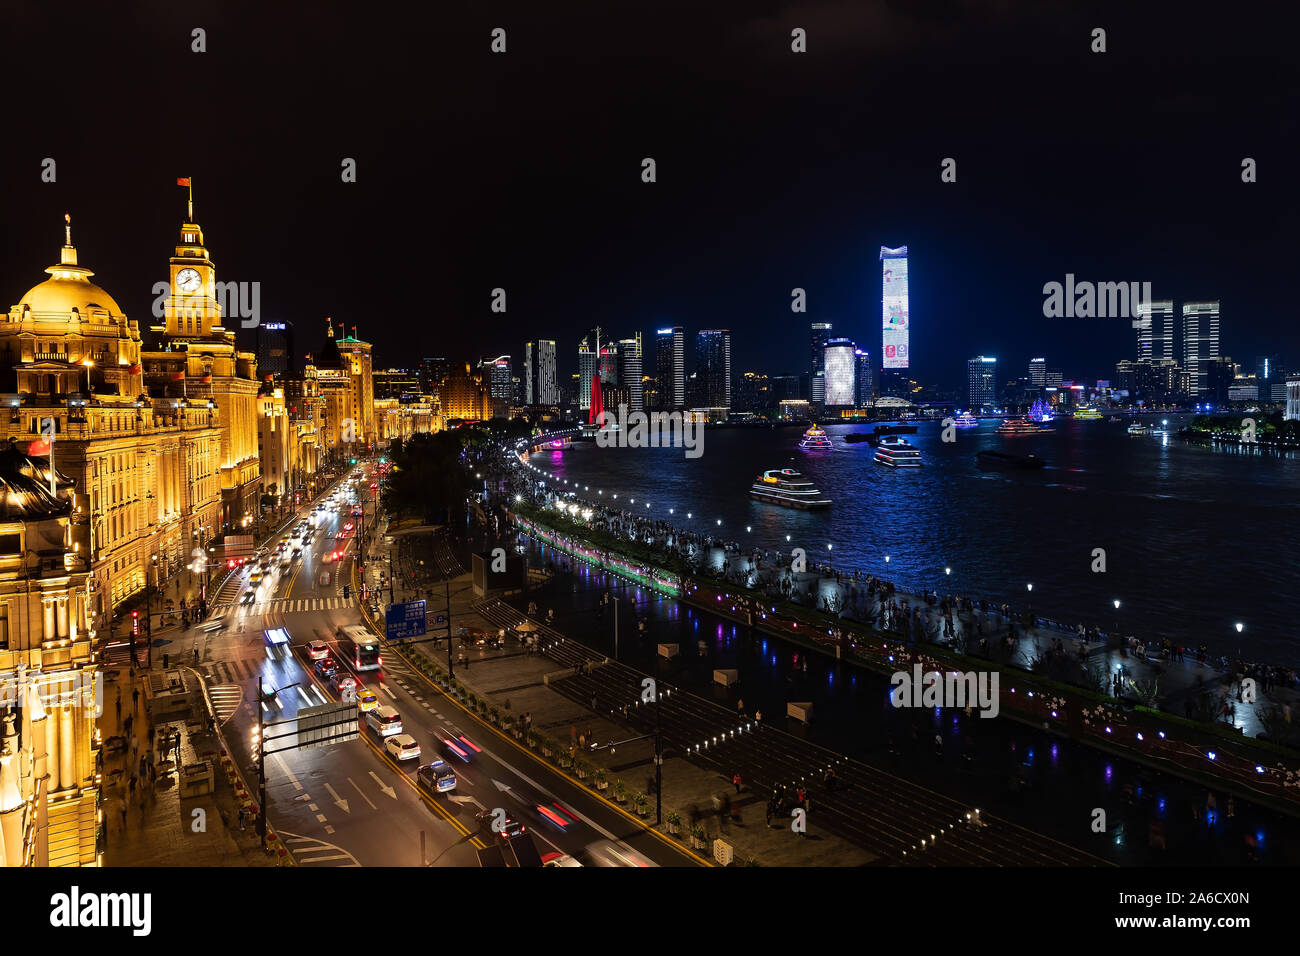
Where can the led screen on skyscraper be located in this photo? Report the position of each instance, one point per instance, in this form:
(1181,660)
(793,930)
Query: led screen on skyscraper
(838,365)
(893,267)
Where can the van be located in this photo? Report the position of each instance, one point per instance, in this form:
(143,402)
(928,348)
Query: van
(385,721)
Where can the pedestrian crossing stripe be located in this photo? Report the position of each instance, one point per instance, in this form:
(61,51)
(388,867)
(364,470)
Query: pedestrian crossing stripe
(292,604)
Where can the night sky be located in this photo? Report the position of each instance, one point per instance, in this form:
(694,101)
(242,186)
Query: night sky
(775,170)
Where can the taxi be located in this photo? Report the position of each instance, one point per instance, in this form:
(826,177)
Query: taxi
(366,699)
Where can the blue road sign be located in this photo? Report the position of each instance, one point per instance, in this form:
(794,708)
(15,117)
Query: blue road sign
(440,619)
(403,621)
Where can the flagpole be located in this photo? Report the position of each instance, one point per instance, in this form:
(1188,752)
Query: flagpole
(189,185)
(53,488)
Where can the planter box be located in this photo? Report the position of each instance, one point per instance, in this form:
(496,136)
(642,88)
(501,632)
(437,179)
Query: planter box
(602,784)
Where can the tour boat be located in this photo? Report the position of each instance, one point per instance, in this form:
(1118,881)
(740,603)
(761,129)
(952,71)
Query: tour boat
(966,420)
(815,438)
(785,486)
(1087,414)
(894,452)
(1139,428)
(1020,426)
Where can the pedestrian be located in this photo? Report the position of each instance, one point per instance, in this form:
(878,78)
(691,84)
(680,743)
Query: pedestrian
(593,700)
(1232,809)
(135,700)
(735,779)
(144,766)
(127,726)
(758,717)
(121,806)
(740,706)
(196,653)
(131,785)
(119,706)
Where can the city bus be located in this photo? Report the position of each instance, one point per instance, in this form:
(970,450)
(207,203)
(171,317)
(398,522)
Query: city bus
(361,648)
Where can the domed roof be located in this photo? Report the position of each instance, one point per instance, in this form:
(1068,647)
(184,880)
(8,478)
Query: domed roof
(66,291)
(69,287)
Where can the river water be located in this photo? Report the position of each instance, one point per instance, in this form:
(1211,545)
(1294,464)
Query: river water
(1196,539)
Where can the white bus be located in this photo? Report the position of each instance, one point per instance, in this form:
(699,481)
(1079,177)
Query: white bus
(361,648)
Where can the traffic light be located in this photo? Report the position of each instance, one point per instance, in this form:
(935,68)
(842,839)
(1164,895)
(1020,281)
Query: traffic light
(354,461)
(135,623)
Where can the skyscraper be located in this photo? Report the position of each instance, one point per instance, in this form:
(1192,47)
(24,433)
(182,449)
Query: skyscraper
(1155,331)
(670,366)
(838,364)
(275,347)
(982,379)
(588,365)
(609,363)
(821,331)
(497,374)
(629,372)
(1038,372)
(540,387)
(863,379)
(1200,342)
(894,315)
(433,373)
(713,368)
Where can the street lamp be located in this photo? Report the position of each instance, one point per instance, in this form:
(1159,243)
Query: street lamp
(259,751)
(89,363)
(1116,603)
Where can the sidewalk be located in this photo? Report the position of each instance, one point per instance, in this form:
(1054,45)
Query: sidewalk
(160,828)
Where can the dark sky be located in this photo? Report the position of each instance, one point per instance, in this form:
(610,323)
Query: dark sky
(775,170)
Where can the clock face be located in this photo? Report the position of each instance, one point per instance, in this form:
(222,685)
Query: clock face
(188,280)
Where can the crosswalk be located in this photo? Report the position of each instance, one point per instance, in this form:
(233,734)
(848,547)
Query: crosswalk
(308,851)
(231,672)
(226,699)
(286,605)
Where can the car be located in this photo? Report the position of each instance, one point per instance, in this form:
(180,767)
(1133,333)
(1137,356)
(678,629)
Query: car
(459,748)
(326,667)
(559,859)
(318,650)
(510,827)
(367,699)
(436,777)
(342,681)
(297,553)
(402,747)
(249,596)
(348,526)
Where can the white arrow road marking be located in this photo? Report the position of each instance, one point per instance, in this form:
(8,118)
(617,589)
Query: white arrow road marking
(383,786)
(391,696)
(464,800)
(342,804)
(363,796)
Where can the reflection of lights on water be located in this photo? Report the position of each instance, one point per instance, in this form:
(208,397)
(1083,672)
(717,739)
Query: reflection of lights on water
(1054,752)
(1109,772)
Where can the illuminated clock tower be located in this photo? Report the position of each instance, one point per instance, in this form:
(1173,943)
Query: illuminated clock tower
(193,307)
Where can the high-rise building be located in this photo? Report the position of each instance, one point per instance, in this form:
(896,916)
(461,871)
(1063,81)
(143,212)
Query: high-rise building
(982,379)
(395,383)
(1200,342)
(465,396)
(588,365)
(821,331)
(629,372)
(1038,372)
(433,372)
(539,373)
(275,347)
(817,387)
(1155,331)
(894,307)
(670,366)
(498,374)
(609,363)
(838,364)
(785,387)
(713,367)
(863,379)
(1271,377)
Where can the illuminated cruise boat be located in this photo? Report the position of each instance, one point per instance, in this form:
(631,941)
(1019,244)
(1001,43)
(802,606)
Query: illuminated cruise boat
(897,453)
(816,438)
(1087,414)
(785,486)
(1139,428)
(966,420)
(1020,426)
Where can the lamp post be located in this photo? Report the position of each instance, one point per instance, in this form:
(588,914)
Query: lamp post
(1116,603)
(259,752)
(88,363)
(1240,627)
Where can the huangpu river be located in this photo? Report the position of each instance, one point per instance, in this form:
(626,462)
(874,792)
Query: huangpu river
(1196,539)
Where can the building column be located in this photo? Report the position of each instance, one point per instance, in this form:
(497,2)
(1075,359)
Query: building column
(61,616)
(67,751)
(47,607)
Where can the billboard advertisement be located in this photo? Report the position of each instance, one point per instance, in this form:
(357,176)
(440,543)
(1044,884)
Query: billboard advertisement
(893,268)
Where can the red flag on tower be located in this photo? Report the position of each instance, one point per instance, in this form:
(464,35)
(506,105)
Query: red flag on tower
(183,182)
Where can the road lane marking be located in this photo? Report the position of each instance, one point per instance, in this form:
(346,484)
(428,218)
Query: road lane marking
(289,773)
(362,793)
(383,786)
(343,804)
